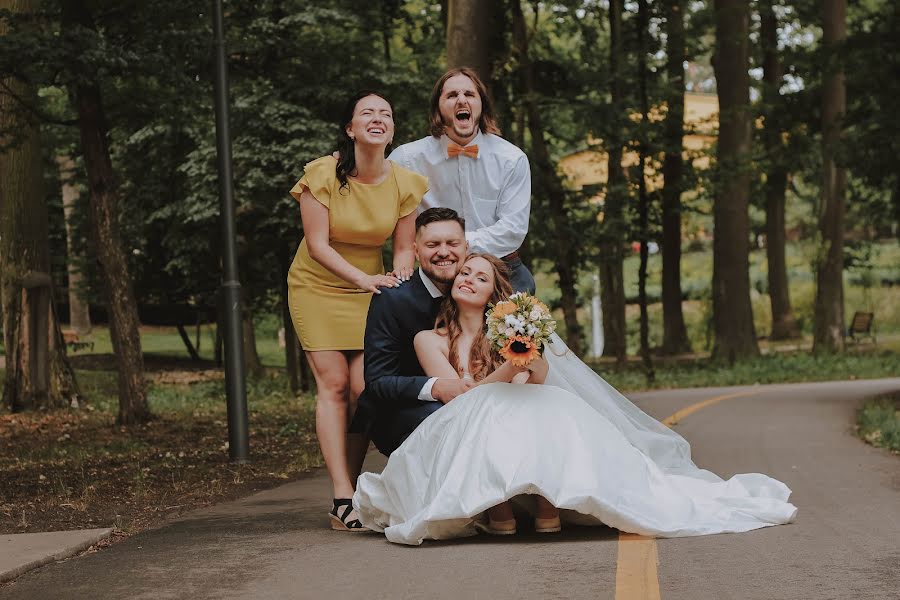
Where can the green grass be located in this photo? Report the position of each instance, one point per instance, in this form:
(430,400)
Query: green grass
(180,400)
(165,341)
(879,422)
(773,368)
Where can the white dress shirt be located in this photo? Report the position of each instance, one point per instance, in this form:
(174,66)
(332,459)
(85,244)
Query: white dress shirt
(425,393)
(491,192)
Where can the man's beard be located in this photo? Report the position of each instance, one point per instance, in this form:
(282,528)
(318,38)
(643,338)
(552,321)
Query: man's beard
(433,276)
(462,134)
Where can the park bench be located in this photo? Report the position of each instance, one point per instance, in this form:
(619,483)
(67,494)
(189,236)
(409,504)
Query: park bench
(861,326)
(71,340)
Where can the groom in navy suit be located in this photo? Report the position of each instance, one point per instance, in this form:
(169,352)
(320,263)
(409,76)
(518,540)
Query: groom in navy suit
(398,395)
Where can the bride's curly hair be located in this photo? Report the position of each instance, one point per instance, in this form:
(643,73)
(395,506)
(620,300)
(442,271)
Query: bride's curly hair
(482,358)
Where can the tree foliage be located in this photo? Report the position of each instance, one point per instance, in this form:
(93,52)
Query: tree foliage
(292,63)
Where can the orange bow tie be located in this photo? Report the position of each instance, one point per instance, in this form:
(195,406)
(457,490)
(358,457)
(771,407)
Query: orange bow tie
(456,150)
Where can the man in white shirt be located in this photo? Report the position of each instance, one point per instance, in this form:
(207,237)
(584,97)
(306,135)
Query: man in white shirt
(474,171)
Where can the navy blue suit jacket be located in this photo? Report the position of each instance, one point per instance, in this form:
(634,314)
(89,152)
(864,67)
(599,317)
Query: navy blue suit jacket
(393,375)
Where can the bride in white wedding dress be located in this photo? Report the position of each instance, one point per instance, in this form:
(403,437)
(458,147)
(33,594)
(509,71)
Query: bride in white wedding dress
(566,437)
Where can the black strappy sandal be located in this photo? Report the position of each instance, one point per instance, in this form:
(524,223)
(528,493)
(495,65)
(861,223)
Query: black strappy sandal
(339,522)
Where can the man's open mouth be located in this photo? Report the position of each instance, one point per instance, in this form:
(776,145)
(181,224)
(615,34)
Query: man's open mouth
(442,263)
(463,115)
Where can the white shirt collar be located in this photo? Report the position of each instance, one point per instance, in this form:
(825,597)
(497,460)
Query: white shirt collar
(446,141)
(429,285)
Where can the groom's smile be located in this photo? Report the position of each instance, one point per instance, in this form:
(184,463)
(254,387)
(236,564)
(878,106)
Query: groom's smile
(441,247)
(444,265)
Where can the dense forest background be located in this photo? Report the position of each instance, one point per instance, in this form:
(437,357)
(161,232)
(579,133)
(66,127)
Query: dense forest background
(782,226)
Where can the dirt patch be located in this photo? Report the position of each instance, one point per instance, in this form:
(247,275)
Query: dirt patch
(76,469)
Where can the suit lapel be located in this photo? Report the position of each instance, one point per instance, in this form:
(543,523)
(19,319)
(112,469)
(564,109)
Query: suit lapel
(424,300)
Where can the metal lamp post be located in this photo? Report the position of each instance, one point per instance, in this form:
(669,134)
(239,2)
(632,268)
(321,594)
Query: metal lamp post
(235,385)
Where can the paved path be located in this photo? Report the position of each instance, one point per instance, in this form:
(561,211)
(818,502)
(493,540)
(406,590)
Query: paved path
(276,544)
(22,552)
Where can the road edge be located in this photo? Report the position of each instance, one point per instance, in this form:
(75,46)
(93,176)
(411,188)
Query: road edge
(67,552)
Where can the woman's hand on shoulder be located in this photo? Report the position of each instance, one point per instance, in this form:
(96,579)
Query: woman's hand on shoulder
(372,283)
(403,273)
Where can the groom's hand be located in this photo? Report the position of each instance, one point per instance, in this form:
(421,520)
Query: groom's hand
(445,389)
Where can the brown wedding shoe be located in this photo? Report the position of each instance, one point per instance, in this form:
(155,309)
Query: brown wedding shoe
(497,527)
(551,525)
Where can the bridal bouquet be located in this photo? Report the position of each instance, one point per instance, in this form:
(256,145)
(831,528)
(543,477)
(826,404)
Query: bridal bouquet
(518,327)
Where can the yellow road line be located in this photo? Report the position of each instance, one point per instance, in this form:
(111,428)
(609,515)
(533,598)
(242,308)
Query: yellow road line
(636,574)
(675,418)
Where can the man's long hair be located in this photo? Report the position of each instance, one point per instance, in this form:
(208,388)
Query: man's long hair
(488,120)
(482,358)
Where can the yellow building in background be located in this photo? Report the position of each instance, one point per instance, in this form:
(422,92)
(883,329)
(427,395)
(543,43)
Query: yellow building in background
(590,167)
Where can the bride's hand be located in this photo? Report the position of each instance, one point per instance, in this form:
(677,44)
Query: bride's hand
(521,377)
(538,364)
(538,369)
(511,370)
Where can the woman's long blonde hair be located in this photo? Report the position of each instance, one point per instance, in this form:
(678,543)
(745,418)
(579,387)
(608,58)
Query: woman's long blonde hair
(482,359)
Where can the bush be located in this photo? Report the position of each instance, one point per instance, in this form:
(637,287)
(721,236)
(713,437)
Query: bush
(879,422)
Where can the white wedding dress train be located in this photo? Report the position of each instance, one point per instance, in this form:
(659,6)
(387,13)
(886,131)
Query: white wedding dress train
(574,440)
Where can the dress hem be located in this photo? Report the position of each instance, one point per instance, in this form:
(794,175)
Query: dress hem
(333,348)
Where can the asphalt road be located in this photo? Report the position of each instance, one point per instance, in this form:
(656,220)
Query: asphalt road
(845,543)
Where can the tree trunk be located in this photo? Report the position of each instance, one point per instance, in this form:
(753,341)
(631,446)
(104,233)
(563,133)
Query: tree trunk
(291,345)
(63,384)
(675,339)
(896,197)
(252,365)
(291,350)
(549,183)
(79,315)
(37,373)
(471,26)
(828,334)
(612,279)
(735,336)
(643,195)
(123,315)
(784,325)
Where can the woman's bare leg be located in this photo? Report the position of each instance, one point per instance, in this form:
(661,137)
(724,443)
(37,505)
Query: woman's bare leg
(357,443)
(332,375)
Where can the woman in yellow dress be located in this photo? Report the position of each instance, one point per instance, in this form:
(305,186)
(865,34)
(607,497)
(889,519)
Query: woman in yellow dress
(349,206)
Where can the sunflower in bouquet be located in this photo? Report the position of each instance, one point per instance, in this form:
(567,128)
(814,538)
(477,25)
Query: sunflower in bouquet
(519,327)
